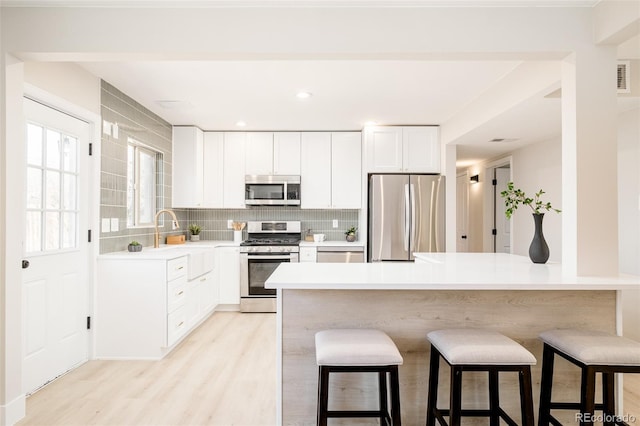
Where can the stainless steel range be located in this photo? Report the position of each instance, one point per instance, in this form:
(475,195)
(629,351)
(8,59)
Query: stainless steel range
(268,244)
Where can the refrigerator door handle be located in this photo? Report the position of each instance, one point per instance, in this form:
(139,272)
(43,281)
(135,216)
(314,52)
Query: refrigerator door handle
(406,217)
(413,217)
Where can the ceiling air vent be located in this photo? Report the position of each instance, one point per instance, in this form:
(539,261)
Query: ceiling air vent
(624,76)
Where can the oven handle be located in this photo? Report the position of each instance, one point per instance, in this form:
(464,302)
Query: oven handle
(268,256)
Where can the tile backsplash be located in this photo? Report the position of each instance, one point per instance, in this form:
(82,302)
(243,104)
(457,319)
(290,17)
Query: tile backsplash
(214,222)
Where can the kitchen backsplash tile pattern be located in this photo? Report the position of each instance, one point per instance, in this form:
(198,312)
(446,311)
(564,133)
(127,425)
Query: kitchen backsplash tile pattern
(214,222)
(133,121)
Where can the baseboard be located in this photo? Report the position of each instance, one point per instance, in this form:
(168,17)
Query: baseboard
(13,411)
(228,308)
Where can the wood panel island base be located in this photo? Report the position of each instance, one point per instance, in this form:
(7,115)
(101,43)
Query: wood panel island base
(407,301)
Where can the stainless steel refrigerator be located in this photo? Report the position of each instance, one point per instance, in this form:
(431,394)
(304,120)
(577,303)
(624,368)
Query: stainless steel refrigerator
(406,215)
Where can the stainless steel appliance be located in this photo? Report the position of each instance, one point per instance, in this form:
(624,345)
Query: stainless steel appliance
(406,215)
(272,190)
(268,244)
(340,254)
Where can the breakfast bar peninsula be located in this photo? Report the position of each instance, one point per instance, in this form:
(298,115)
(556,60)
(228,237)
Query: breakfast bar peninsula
(501,292)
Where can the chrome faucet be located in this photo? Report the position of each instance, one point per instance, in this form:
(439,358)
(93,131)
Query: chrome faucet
(156,242)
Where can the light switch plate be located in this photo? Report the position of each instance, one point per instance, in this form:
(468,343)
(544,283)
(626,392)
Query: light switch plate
(335,223)
(115,225)
(106,225)
(230,224)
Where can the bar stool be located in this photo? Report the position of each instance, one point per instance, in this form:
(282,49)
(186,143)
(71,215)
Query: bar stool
(358,351)
(594,352)
(478,350)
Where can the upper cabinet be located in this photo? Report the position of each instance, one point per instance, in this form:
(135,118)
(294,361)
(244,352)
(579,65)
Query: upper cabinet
(234,170)
(188,167)
(330,169)
(213,155)
(272,153)
(403,149)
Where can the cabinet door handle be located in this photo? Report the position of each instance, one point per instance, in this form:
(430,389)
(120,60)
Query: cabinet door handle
(181,323)
(180,267)
(180,292)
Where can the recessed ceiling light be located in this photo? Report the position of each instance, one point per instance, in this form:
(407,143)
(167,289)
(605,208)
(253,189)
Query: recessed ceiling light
(503,140)
(241,124)
(371,123)
(174,104)
(303,95)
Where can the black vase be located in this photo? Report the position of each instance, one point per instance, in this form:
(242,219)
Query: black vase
(538,250)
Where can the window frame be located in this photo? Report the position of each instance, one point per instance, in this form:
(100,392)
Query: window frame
(158,200)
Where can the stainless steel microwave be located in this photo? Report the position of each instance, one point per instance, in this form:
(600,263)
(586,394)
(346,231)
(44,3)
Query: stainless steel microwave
(272,190)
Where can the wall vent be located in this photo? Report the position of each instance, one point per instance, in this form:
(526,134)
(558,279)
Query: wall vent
(624,76)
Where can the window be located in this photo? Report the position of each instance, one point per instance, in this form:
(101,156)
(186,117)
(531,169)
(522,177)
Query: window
(52,190)
(144,184)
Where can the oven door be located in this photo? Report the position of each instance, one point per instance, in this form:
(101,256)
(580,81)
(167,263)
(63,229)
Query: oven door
(256,269)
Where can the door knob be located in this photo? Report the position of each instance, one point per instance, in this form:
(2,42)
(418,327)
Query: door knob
(25,264)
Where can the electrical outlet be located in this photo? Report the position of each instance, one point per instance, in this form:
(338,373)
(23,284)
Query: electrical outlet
(335,223)
(230,224)
(174,225)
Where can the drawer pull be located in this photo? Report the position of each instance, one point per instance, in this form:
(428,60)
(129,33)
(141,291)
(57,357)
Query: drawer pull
(179,267)
(203,279)
(180,292)
(181,323)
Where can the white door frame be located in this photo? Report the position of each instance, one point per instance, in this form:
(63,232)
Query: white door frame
(489,204)
(94,121)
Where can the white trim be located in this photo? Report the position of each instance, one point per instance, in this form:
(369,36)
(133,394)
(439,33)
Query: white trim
(15,410)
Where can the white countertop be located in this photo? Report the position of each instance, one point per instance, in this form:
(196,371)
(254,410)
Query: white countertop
(335,243)
(442,271)
(166,251)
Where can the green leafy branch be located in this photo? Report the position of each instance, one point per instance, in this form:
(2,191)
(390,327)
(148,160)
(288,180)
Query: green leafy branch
(514,197)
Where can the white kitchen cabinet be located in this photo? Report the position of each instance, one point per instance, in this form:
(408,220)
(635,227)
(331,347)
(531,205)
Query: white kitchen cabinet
(272,153)
(201,289)
(346,170)
(315,170)
(140,310)
(228,267)
(234,170)
(308,254)
(209,293)
(259,153)
(330,170)
(286,153)
(402,149)
(187,183)
(213,174)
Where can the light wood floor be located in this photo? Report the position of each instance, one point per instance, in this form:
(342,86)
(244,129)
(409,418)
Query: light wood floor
(222,374)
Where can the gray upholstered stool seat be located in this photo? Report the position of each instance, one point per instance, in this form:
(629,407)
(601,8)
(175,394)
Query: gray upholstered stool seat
(594,352)
(358,351)
(478,350)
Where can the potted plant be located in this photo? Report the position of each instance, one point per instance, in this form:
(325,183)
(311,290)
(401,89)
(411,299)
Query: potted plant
(538,250)
(134,246)
(351,234)
(194,230)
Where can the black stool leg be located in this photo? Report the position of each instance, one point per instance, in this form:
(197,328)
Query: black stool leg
(546,384)
(587,395)
(395,395)
(323,395)
(494,398)
(526,396)
(455,408)
(608,399)
(382,396)
(432,397)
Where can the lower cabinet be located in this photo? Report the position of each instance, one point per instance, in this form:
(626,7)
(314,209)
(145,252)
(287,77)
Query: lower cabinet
(228,267)
(145,306)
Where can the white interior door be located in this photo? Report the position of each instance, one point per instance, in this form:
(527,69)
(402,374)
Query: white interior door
(462,213)
(55,280)
(503,226)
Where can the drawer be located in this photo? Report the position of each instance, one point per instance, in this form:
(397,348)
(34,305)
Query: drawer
(307,254)
(176,325)
(176,268)
(176,293)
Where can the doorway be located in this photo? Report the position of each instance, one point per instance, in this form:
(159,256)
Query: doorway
(56,255)
(501,226)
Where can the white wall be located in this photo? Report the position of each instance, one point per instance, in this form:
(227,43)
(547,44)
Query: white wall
(629,214)
(535,167)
